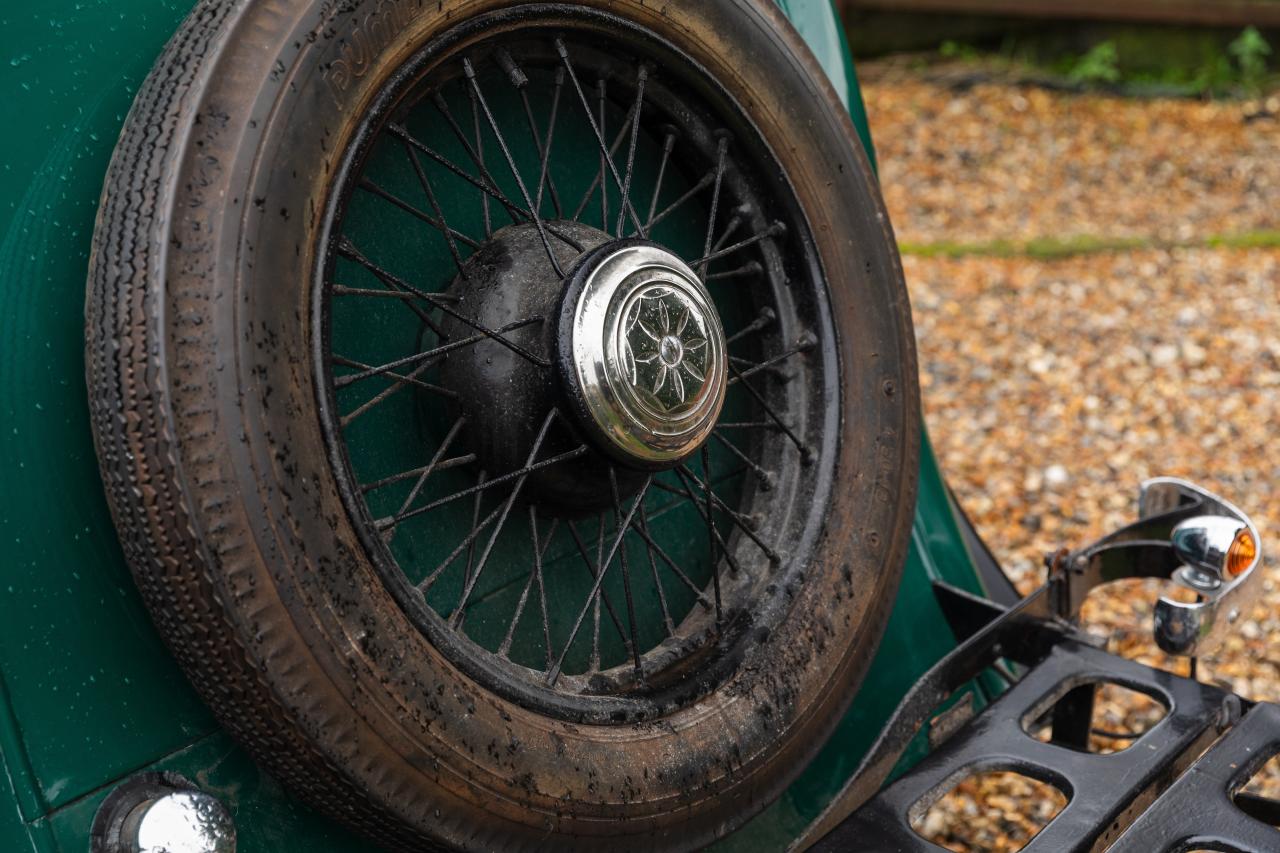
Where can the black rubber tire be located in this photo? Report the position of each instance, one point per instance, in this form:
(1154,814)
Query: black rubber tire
(203,395)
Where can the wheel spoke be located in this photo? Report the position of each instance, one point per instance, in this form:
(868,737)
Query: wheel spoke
(490,186)
(444,465)
(653,572)
(768,410)
(385,393)
(747,425)
(694,485)
(773,230)
(343,290)
(805,344)
(668,143)
(400,379)
(721,148)
(595,182)
(520,81)
(431,354)
(751,268)
(728,232)
(485,185)
(763,320)
(406,294)
(604,156)
(712,534)
(437,223)
(512,207)
(554,675)
(506,509)
(593,569)
(593,663)
(542,589)
(348,249)
(604,150)
(539,551)
(470,72)
(460,612)
(626,572)
(683,472)
(641,75)
(382,369)
(688,493)
(497,481)
(479,137)
(426,583)
(435,206)
(681,575)
(765,478)
(703,183)
(544,176)
(426,472)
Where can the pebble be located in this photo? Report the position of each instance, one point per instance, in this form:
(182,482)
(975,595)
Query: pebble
(1164,355)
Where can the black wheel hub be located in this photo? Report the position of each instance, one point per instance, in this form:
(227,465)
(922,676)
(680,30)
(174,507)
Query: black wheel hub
(509,285)
(636,340)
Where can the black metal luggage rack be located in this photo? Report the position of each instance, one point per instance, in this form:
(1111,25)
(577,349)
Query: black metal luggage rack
(1174,789)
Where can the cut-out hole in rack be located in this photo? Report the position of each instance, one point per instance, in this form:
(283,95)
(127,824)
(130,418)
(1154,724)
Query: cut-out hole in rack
(1119,717)
(1013,808)
(1260,796)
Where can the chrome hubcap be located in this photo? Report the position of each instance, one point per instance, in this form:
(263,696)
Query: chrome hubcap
(646,353)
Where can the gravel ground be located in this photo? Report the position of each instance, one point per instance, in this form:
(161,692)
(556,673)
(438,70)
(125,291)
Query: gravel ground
(1054,384)
(962,162)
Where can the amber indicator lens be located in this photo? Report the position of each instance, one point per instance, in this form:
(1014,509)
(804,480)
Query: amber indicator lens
(1241,554)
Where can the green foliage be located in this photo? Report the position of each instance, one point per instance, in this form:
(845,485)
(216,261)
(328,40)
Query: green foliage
(1136,60)
(957,50)
(1216,76)
(1100,65)
(1251,50)
(1248,240)
(1054,248)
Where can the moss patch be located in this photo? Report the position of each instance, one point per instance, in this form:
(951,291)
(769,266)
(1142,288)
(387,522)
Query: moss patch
(1051,248)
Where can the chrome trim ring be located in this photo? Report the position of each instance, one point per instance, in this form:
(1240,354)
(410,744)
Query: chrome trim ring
(648,354)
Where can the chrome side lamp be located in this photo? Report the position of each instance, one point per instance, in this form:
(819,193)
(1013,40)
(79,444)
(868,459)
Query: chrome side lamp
(1191,536)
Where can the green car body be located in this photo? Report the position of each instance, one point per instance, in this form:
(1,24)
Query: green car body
(88,694)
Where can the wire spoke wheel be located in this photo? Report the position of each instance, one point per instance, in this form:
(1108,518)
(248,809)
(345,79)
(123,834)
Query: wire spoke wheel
(562,569)
(508,410)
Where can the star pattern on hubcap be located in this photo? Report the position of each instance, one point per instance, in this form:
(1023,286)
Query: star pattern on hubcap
(665,348)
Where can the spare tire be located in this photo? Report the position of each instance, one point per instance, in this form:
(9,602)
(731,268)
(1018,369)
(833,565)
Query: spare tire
(508,410)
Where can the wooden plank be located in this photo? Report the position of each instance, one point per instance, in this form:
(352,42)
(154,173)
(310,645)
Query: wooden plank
(1230,13)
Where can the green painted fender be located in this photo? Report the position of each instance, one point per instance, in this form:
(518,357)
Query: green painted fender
(88,694)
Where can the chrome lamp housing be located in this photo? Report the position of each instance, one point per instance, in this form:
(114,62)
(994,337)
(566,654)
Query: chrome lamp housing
(1191,536)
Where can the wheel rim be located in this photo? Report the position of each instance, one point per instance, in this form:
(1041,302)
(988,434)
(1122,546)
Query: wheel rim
(493,550)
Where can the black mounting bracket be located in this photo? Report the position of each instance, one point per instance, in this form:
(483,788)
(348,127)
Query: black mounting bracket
(1174,789)
(1175,783)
